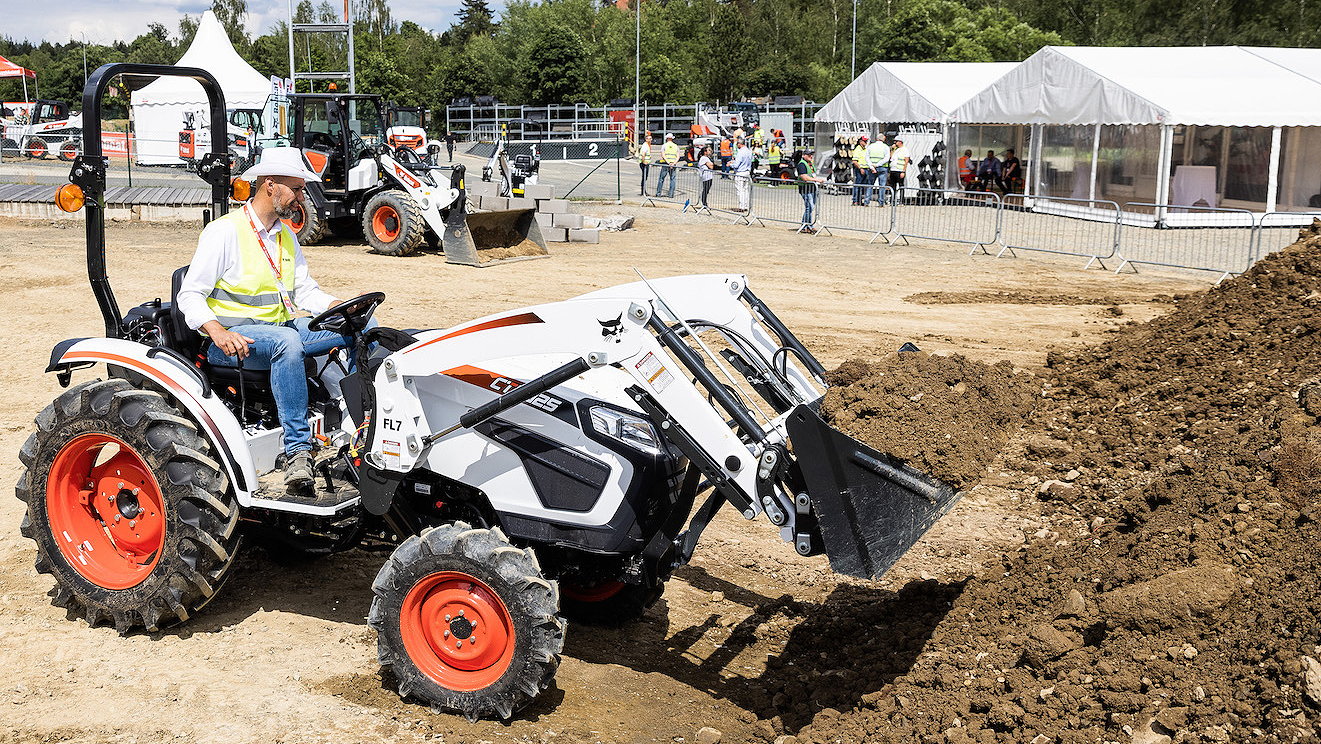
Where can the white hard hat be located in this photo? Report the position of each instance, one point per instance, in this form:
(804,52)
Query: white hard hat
(280,161)
(669,135)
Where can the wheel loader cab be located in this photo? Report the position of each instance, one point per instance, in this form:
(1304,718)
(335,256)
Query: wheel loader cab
(336,132)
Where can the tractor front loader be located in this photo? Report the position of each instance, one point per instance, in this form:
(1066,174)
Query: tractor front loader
(525,469)
(397,199)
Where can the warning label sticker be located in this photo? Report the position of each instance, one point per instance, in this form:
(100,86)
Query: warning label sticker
(390,453)
(654,372)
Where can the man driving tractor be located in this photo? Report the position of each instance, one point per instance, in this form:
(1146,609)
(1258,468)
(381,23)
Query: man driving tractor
(244,286)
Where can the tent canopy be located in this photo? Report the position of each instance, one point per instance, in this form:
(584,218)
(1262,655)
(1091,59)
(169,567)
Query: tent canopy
(244,87)
(910,91)
(1219,86)
(10,70)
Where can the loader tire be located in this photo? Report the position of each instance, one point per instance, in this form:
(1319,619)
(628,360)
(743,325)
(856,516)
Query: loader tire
(130,514)
(8,148)
(308,225)
(466,622)
(68,150)
(36,148)
(393,224)
(609,604)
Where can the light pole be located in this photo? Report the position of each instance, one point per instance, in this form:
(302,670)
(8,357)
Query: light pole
(853,53)
(637,65)
(80,33)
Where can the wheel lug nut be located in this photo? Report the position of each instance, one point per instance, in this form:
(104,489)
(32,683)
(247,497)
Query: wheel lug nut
(447,634)
(447,618)
(472,640)
(118,517)
(458,644)
(460,613)
(132,523)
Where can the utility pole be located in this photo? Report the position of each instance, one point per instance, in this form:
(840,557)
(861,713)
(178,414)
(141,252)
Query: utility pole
(853,54)
(637,65)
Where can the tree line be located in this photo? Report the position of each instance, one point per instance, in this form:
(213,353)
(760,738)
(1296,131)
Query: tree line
(571,51)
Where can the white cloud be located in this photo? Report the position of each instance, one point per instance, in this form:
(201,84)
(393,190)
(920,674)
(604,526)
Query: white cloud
(106,21)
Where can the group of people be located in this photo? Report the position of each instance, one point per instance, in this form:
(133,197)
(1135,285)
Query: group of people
(991,173)
(735,156)
(877,165)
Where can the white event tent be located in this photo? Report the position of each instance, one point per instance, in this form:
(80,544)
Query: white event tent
(159,108)
(896,93)
(1236,127)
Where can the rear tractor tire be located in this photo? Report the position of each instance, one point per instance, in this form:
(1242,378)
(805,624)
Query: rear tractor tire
(609,603)
(129,512)
(393,224)
(466,622)
(308,225)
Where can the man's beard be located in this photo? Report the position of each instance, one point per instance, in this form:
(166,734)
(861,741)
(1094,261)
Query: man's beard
(288,211)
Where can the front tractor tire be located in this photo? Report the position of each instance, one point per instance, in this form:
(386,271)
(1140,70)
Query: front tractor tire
(129,512)
(466,622)
(393,223)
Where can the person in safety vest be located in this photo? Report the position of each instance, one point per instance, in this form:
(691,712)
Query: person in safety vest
(246,282)
(773,157)
(669,162)
(878,162)
(900,159)
(758,137)
(726,155)
(644,160)
(966,174)
(860,170)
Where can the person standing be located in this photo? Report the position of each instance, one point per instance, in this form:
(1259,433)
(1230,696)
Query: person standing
(669,164)
(743,175)
(449,144)
(860,171)
(726,155)
(773,157)
(706,172)
(966,174)
(878,161)
(644,160)
(807,188)
(899,162)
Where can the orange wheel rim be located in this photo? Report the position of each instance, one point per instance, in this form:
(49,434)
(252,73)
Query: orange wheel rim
(457,631)
(296,222)
(598,592)
(385,223)
(106,511)
(70,150)
(37,148)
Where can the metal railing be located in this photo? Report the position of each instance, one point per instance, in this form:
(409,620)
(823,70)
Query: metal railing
(1214,239)
(782,200)
(950,216)
(1276,230)
(1088,228)
(839,212)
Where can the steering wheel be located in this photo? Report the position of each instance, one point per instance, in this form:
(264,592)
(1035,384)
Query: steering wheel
(349,316)
(321,138)
(407,156)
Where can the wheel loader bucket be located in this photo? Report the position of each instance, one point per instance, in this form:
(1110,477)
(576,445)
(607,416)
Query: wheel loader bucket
(500,236)
(871,507)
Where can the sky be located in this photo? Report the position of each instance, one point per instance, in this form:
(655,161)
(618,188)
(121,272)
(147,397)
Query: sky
(105,21)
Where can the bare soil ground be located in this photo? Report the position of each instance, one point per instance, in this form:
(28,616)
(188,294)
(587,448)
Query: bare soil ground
(749,639)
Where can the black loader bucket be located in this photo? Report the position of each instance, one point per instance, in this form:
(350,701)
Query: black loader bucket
(501,236)
(871,508)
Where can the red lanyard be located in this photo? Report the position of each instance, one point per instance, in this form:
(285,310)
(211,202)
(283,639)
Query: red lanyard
(275,266)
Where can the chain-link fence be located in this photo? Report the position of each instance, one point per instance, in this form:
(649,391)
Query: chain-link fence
(1087,228)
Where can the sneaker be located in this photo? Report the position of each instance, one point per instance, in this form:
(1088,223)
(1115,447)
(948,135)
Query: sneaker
(298,471)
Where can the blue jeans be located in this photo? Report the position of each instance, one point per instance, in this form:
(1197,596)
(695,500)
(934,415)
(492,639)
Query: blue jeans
(860,180)
(660,180)
(809,205)
(878,183)
(282,349)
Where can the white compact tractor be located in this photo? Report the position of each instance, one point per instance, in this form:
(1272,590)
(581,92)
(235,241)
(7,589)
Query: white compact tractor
(558,461)
(397,199)
(40,129)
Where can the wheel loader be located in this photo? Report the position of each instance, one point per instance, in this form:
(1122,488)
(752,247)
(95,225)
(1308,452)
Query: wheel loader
(397,199)
(524,469)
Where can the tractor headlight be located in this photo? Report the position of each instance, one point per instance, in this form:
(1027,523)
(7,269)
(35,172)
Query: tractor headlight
(634,431)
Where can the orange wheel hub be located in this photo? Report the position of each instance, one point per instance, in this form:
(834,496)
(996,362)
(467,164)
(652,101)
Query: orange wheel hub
(37,148)
(106,511)
(385,223)
(598,592)
(296,222)
(457,631)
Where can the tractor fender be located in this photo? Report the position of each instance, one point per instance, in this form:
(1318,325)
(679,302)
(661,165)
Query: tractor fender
(180,381)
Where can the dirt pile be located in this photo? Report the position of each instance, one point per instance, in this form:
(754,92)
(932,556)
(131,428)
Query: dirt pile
(1178,598)
(946,415)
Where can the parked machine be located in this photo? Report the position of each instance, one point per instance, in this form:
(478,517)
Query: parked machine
(406,126)
(242,129)
(399,200)
(38,129)
(523,468)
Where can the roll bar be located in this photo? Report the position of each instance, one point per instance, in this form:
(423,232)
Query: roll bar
(89,169)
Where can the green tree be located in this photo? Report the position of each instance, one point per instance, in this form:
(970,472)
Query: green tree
(233,16)
(475,19)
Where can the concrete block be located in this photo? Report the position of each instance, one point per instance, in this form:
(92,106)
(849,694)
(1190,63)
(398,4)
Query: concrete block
(585,235)
(572,221)
(544,220)
(553,205)
(476,186)
(495,203)
(555,234)
(539,191)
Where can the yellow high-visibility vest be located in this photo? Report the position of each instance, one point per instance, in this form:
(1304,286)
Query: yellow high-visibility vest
(860,156)
(670,153)
(644,153)
(878,155)
(256,295)
(773,155)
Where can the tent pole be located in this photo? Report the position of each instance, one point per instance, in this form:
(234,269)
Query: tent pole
(1273,177)
(1163,168)
(1096,151)
(1033,158)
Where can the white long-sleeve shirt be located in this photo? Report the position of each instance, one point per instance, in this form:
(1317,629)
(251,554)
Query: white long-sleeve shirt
(217,257)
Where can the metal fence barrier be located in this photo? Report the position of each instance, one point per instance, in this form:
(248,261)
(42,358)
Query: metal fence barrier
(950,216)
(1087,228)
(837,211)
(1276,230)
(1183,239)
(780,200)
